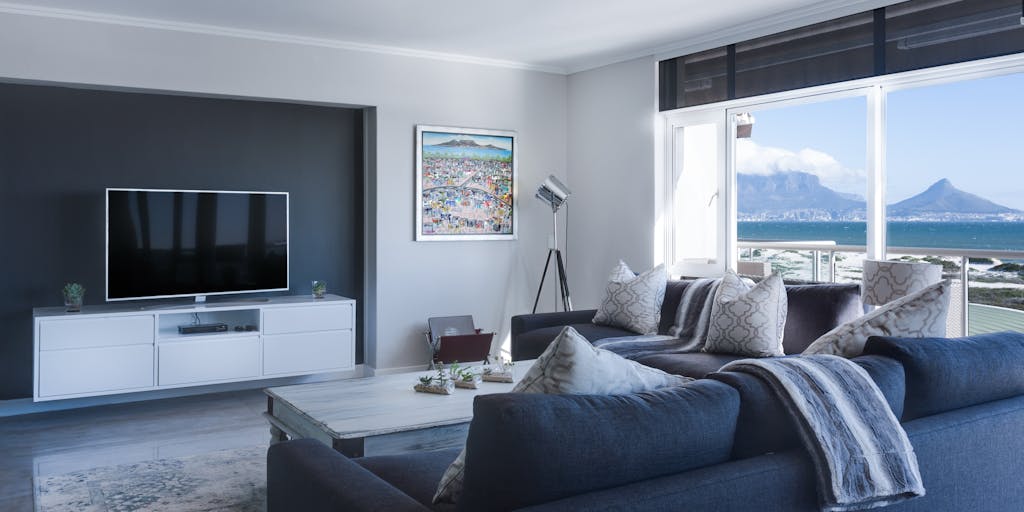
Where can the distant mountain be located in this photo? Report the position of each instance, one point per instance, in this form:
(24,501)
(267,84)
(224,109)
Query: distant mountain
(793,196)
(790,196)
(467,143)
(943,199)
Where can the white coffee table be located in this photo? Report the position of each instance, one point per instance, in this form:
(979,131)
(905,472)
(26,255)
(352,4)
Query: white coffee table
(376,415)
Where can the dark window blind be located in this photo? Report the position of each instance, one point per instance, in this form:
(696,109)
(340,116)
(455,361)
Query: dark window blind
(901,37)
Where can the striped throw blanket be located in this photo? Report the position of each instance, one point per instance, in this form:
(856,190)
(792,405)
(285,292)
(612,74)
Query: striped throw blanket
(687,334)
(861,453)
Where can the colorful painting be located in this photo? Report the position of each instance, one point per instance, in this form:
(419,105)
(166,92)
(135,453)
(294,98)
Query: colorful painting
(465,184)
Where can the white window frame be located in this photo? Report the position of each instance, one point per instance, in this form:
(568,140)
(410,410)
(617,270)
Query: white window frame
(875,89)
(721,203)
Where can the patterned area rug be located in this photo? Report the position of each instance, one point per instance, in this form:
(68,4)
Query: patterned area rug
(229,480)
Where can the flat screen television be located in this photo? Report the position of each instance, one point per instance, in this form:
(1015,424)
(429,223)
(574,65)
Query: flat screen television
(194,243)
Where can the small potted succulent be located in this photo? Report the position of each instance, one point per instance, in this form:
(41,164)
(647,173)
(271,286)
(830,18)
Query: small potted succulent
(319,289)
(438,384)
(74,294)
(499,370)
(464,377)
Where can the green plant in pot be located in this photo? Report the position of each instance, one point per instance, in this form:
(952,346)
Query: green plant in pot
(319,289)
(74,294)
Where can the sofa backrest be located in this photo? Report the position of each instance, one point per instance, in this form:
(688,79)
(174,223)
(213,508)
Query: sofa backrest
(952,373)
(814,309)
(765,426)
(525,449)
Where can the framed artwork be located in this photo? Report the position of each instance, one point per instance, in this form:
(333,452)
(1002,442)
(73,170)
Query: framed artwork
(466,182)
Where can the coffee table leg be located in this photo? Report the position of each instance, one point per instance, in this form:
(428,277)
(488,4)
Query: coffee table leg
(277,435)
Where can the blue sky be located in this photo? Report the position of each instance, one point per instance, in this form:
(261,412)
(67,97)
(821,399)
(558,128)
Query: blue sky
(969,132)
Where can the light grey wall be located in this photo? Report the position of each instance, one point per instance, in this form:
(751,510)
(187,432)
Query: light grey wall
(414,280)
(611,173)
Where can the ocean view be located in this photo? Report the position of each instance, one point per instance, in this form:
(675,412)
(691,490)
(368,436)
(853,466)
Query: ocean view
(997,236)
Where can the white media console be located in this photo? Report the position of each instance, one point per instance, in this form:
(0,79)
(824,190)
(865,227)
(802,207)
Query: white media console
(114,349)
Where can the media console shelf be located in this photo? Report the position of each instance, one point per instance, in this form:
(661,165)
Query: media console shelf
(114,349)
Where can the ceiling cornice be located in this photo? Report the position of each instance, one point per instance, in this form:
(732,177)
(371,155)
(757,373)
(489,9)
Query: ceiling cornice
(772,24)
(216,30)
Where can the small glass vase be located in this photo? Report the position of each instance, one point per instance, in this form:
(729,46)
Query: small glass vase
(73,304)
(319,289)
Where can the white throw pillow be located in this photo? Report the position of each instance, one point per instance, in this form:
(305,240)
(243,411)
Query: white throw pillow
(748,320)
(918,315)
(571,366)
(632,301)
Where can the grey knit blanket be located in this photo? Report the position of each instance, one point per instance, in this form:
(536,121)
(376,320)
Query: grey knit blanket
(860,451)
(687,334)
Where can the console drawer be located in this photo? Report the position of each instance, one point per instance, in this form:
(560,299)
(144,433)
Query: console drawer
(287,320)
(59,334)
(207,360)
(307,352)
(95,370)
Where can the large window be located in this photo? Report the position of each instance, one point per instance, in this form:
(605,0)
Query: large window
(954,182)
(918,167)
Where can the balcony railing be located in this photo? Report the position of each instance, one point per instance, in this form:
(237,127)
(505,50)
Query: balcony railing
(825,265)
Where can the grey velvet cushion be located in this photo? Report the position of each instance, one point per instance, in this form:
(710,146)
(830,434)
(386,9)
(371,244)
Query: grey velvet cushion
(951,373)
(535,342)
(693,364)
(415,474)
(526,449)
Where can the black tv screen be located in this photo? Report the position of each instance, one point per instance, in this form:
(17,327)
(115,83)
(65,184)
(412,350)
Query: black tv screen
(171,243)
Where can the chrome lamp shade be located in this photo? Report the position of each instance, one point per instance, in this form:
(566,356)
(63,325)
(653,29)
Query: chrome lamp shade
(886,281)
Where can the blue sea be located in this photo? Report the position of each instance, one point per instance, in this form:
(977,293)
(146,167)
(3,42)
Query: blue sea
(1000,236)
(466,152)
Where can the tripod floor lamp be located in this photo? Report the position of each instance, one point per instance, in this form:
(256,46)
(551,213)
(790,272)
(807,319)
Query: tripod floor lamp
(554,193)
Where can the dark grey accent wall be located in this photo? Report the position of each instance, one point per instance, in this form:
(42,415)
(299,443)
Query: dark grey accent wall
(61,147)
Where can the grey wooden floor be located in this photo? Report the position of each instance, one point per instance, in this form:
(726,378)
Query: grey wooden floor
(60,442)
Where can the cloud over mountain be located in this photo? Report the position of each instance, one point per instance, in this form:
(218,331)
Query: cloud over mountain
(753,158)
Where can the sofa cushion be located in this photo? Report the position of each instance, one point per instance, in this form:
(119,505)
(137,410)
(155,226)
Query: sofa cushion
(693,364)
(632,301)
(816,309)
(747,320)
(537,340)
(526,449)
(764,426)
(570,365)
(415,474)
(920,315)
(951,373)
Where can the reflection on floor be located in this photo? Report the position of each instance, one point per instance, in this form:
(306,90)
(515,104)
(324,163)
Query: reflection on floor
(60,442)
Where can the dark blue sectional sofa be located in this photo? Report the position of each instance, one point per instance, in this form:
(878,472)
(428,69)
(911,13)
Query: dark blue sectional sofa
(814,309)
(720,444)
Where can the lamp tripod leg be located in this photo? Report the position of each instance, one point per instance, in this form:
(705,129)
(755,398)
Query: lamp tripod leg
(543,276)
(563,282)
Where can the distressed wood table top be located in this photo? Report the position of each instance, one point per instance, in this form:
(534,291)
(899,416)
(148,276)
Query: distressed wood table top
(373,406)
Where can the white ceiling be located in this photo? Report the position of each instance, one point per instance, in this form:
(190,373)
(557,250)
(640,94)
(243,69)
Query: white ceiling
(552,35)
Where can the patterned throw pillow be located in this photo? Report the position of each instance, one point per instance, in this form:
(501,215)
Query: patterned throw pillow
(571,366)
(748,320)
(918,315)
(633,302)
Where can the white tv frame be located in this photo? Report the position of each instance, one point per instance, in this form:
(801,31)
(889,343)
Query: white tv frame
(199,297)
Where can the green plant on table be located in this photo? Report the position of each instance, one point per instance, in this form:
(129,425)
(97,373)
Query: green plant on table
(74,292)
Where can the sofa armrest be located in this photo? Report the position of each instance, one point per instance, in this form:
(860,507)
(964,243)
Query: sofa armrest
(307,475)
(527,323)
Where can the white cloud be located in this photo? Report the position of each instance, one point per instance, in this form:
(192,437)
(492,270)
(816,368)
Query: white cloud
(753,158)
